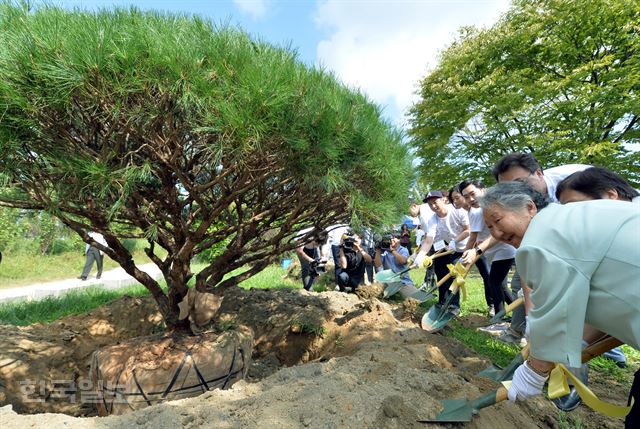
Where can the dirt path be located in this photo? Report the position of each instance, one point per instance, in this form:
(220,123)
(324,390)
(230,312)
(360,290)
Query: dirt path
(370,367)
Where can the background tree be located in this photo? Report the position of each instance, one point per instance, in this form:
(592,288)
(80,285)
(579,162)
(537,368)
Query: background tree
(559,78)
(163,126)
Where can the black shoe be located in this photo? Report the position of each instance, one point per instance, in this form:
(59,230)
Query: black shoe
(568,402)
(82,278)
(98,277)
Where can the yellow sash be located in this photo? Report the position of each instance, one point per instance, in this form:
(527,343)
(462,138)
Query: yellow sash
(558,387)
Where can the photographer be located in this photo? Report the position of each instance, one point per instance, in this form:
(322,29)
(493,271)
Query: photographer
(390,255)
(353,259)
(310,261)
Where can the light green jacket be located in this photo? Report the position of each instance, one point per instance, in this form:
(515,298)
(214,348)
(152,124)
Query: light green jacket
(582,261)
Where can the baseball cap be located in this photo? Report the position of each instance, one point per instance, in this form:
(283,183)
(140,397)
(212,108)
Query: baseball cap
(433,194)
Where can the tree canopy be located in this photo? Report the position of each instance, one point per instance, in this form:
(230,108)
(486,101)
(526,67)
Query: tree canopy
(559,78)
(142,124)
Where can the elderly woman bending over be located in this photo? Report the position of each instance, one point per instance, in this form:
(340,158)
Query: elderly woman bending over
(582,263)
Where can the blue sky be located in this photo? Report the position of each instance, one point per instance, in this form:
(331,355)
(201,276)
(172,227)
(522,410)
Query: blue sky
(383,47)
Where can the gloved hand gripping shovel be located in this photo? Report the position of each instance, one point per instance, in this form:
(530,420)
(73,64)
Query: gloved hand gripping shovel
(462,410)
(425,293)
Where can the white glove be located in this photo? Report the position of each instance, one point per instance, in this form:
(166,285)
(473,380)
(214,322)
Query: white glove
(526,383)
(419,259)
(452,245)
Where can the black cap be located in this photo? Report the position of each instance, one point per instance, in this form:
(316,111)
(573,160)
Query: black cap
(433,194)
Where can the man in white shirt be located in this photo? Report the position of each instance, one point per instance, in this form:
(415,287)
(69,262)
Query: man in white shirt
(448,226)
(93,254)
(524,167)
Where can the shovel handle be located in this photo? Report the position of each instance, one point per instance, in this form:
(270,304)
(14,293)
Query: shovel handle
(437,255)
(490,398)
(525,352)
(502,394)
(515,304)
(444,279)
(603,345)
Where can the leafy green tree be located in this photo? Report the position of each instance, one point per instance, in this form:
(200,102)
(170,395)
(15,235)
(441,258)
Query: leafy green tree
(559,78)
(163,126)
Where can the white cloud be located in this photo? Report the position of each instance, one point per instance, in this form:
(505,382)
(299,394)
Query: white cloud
(386,47)
(255,8)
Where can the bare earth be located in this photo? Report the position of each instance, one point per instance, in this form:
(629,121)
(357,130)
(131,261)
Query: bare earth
(321,360)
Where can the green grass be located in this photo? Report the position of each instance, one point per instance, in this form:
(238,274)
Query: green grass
(566,421)
(49,309)
(19,269)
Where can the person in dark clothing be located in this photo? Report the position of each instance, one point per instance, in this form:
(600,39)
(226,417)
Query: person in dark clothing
(353,259)
(310,258)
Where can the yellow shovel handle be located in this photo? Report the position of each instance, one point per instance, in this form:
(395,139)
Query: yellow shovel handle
(502,394)
(438,254)
(515,304)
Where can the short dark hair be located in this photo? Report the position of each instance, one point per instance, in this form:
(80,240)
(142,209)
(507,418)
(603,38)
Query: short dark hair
(466,182)
(595,181)
(516,159)
(455,188)
(321,237)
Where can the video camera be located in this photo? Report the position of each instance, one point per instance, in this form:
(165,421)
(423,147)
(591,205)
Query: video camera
(384,244)
(318,266)
(348,240)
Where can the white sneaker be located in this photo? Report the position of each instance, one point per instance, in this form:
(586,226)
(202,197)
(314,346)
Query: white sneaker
(492,312)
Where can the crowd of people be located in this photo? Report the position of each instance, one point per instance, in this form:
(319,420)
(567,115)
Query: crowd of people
(579,262)
(570,236)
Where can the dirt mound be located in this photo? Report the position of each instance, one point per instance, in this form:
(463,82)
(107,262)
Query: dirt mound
(321,360)
(38,361)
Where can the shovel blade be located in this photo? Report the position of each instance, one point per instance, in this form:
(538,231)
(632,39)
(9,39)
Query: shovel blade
(387,276)
(455,410)
(435,319)
(392,289)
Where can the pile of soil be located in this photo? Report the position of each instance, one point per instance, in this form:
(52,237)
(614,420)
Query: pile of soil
(321,360)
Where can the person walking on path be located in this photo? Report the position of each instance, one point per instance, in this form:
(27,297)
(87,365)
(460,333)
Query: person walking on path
(93,254)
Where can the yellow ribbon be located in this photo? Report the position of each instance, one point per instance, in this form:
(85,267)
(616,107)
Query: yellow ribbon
(459,272)
(427,262)
(558,387)
(459,281)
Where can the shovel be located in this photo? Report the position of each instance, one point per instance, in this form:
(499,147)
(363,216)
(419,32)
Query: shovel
(392,289)
(462,410)
(501,374)
(388,276)
(438,316)
(393,279)
(500,314)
